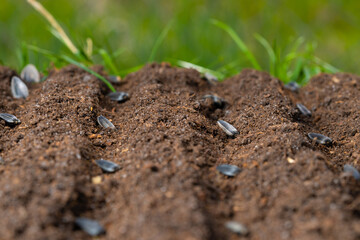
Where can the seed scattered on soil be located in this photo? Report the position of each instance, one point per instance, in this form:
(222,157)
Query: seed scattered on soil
(292,86)
(91,227)
(319,138)
(237,228)
(228,170)
(104,122)
(119,96)
(18,88)
(217,101)
(228,128)
(304,111)
(114,78)
(355,173)
(210,78)
(2,160)
(11,119)
(30,74)
(107,166)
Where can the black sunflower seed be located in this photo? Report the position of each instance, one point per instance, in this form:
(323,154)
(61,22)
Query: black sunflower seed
(228,128)
(114,79)
(18,88)
(355,173)
(292,86)
(30,74)
(104,122)
(217,101)
(107,166)
(319,138)
(118,96)
(91,227)
(228,170)
(210,78)
(237,228)
(304,111)
(8,118)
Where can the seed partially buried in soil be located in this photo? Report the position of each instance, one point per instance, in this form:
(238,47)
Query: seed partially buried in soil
(292,86)
(30,74)
(104,122)
(107,166)
(91,227)
(114,79)
(319,138)
(237,228)
(10,119)
(19,88)
(119,96)
(217,101)
(210,78)
(229,129)
(228,170)
(304,111)
(350,169)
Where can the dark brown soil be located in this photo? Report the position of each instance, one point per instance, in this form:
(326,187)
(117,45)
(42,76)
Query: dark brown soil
(168,145)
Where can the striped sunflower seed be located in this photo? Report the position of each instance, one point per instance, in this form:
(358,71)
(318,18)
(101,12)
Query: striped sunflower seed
(228,170)
(19,88)
(229,129)
(107,166)
(8,118)
(91,227)
(319,138)
(104,122)
(30,74)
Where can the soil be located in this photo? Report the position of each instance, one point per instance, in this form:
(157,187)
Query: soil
(168,145)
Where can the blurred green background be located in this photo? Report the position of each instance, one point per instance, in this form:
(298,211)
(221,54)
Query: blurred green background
(130,28)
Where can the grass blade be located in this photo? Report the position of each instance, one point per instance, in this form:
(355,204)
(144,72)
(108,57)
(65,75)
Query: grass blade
(242,46)
(80,65)
(269,50)
(159,40)
(108,61)
(200,69)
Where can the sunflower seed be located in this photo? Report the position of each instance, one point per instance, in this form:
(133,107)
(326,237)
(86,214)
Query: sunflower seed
(228,128)
(304,111)
(30,74)
(18,88)
(355,173)
(118,96)
(292,86)
(2,160)
(114,79)
(104,122)
(237,228)
(228,170)
(107,166)
(9,118)
(210,78)
(218,102)
(319,138)
(91,227)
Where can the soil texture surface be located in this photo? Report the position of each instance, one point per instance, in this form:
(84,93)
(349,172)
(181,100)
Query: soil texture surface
(168,145)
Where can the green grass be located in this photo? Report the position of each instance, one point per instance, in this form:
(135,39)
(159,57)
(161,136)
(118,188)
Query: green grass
(125,36)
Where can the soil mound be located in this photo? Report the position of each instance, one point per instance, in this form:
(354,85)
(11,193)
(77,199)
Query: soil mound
(168,145)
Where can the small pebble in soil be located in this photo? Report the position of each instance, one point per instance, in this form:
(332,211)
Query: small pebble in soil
(319,138)
(107,166)
(104,122)
(18,88)
(30,74)
(237,228)
(119,96)
(2,160)
(228,170)
(292,86)
(91,227)
(229,129)
(114,78)
(217,101)
(8,118)
(350,169)
(304,111)
(210,78)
